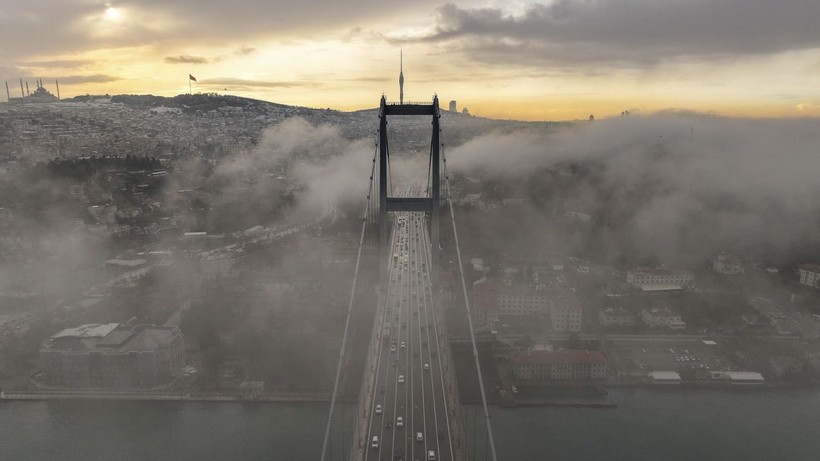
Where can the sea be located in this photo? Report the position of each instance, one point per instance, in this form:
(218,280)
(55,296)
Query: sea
(646,424)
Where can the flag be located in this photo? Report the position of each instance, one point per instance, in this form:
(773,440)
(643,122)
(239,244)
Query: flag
(191,77)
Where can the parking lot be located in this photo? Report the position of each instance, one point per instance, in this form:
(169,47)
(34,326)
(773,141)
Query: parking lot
(639,358)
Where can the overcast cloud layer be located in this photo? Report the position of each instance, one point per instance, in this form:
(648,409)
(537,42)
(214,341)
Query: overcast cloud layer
(629,31)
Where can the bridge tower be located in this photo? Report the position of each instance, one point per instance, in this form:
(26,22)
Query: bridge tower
(430,204)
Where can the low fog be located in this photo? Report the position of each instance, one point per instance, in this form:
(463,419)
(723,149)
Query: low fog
(676,186)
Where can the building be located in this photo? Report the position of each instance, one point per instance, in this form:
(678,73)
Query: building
(738,377)
(662,317)
(664,377)
(727,264)
(810,275)
(615,316)
(453,106)
(659,279)
(566,312)
(112,356)
(558,365)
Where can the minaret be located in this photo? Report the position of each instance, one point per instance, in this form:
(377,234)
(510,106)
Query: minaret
(401,77)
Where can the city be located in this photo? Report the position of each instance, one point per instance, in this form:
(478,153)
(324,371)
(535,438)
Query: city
(462,231)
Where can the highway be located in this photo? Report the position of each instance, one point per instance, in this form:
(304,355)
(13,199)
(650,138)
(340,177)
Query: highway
(409,373)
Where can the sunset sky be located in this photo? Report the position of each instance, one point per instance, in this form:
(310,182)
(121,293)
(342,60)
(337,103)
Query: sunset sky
(533,60)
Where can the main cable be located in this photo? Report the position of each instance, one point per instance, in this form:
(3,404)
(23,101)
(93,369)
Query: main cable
(467,306)
(349,309)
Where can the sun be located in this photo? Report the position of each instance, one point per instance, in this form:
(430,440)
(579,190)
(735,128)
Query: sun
(112,14)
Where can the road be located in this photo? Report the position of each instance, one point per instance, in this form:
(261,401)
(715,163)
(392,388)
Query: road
(411,341)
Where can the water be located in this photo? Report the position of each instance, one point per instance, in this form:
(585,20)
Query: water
(668,424)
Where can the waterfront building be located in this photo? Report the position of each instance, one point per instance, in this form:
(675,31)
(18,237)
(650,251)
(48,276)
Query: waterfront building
(112,356)
(558,365)
(659,279)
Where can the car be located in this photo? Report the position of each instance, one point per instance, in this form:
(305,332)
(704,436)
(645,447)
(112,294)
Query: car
(419,437)
(515,390)
(392,348)
(399,422)
(378,409)
(401,379)
(388,426)
(375,442)
(402,345)
(426,366)
(431,455)
(395,363)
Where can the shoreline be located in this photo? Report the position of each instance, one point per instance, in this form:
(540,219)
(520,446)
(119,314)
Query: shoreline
(320,397)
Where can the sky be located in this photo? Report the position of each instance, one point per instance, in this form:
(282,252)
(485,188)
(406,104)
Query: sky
(526,60)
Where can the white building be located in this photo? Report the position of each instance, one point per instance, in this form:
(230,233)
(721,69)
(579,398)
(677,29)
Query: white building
(727,264)
(566,312)
(662,317)
(615,316)
(559,365)
(661,278)
(810,275)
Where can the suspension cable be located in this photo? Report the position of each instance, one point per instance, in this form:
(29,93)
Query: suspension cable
(449,197)
(349,309)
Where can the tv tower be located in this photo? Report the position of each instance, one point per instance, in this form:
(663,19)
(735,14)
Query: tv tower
(401,77)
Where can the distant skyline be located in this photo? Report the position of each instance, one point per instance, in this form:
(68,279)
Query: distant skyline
(528,60)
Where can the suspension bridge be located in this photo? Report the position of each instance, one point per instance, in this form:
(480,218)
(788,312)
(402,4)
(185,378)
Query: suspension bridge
(408,405)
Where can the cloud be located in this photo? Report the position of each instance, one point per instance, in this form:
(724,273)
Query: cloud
(185,59)
(245,50)
(96,78)
(634,33)
(245,83)
(60,63)
(676,186)
(329,165)
(50,27)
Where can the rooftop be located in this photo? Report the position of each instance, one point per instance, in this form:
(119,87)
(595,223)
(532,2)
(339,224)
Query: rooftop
(91,330)
(111,337)
(558,357)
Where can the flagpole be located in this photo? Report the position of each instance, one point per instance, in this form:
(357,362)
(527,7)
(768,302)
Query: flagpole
(189,83)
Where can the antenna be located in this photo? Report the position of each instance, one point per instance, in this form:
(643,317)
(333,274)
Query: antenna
(22,93)
(401,76)
(27,92)
(8,95)
(58,88)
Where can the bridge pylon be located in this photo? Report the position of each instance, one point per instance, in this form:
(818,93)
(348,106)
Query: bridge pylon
(430,204)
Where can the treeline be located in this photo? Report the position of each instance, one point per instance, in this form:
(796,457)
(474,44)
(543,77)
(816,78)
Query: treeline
(83,168)
(188,102)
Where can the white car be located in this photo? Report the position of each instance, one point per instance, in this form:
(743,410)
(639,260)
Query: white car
(402,345)
(378,409)
(426,366)
(401,379)
(399,422)
(375,442)
(419,437)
